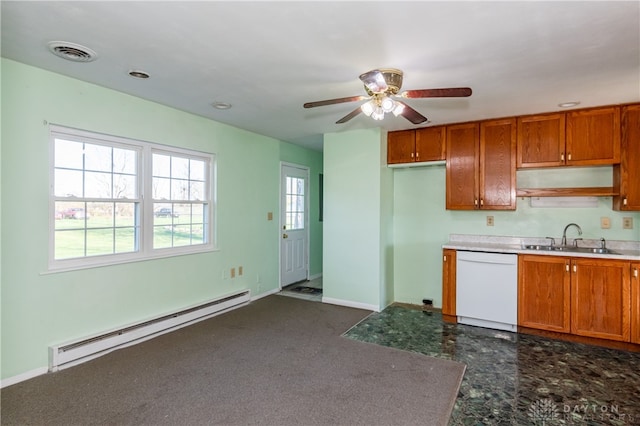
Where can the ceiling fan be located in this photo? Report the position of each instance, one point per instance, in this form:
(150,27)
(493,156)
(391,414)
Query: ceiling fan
(382,85)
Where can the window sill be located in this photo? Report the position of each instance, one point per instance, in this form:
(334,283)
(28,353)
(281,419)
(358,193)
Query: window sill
(103,262)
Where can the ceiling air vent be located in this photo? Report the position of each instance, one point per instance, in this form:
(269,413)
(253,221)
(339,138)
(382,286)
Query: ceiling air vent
(72,51)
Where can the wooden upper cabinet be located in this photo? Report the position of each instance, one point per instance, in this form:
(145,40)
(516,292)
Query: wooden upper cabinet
(600,298)
(635,303)
(463,156)
(541,141)
(401,146)
(626,175)
(544,293)
(498,164)
(431,143)
(449,282)
(481,165)
(414,146)
(593,137)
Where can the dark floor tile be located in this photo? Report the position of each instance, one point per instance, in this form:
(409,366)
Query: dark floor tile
(517,379)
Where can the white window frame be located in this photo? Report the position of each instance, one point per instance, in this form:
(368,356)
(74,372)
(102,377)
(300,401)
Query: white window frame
(145,217)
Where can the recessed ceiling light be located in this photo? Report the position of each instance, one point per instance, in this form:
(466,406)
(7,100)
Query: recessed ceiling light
(138,74)
(72,51)
(221,105)
(569,104)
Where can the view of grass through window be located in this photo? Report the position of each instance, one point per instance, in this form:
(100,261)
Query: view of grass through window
(97,204)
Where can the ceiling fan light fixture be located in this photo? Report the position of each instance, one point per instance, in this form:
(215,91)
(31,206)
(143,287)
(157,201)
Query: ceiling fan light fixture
(387,104)
(399,108)
(378,113)
(367,108)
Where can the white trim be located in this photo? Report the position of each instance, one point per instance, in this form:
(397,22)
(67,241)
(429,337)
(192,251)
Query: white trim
(315,276)
(307,223)
(265,294)
(350,304)
(23,376)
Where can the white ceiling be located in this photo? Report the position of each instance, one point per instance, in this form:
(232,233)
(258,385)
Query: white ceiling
(268,58)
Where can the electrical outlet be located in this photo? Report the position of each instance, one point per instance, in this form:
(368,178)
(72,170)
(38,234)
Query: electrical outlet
(489,220)
(269,215)
(605,223)
(240,270)
(627,223)
(233,272)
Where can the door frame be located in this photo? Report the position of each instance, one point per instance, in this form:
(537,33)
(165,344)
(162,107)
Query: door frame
(307,226)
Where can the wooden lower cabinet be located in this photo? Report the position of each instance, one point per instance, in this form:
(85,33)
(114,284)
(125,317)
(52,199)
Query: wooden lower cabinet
(600,298)
(449,282)
(589,297)
(635,303)
(544,290)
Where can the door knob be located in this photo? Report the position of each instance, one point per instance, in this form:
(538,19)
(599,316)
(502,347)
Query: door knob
(285,236)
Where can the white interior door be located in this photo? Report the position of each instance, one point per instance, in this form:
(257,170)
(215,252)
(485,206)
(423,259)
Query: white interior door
(294,218)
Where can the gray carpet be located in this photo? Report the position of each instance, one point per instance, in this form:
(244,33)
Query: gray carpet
(277,361)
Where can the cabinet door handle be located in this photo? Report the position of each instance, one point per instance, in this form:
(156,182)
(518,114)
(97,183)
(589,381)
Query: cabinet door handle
(475,202)
(566,266)
(569,157)
(635,272)
(481,202)
(444,258)
(412,155)
(575,268)
(417,155)
(562,156)
(624,201)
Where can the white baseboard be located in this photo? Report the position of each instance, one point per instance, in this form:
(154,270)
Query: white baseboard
(351,304)
(23,376)
(265,294)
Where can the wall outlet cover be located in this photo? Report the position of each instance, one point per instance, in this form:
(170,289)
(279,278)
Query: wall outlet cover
(627,223)
(605,223)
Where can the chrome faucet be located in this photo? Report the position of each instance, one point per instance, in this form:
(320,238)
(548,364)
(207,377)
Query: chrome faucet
(564,233)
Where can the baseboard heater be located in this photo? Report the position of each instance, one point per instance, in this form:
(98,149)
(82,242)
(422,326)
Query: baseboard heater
(79,351)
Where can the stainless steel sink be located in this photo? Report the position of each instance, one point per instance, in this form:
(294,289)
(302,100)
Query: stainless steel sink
(568,249)
(539,247)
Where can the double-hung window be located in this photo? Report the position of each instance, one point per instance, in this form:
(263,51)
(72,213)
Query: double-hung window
(116,200)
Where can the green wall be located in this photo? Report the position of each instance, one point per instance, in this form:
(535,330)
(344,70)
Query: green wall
(422,224)
(358,253)
(40,308)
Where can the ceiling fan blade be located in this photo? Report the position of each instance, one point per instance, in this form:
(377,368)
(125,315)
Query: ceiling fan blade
(453,92)
(412,115)
(334,101)
(374,80)
(349,116)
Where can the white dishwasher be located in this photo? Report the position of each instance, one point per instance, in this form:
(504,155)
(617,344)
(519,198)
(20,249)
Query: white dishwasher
(487,289)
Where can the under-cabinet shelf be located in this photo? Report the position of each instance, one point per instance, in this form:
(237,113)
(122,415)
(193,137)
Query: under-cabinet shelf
(604,191)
